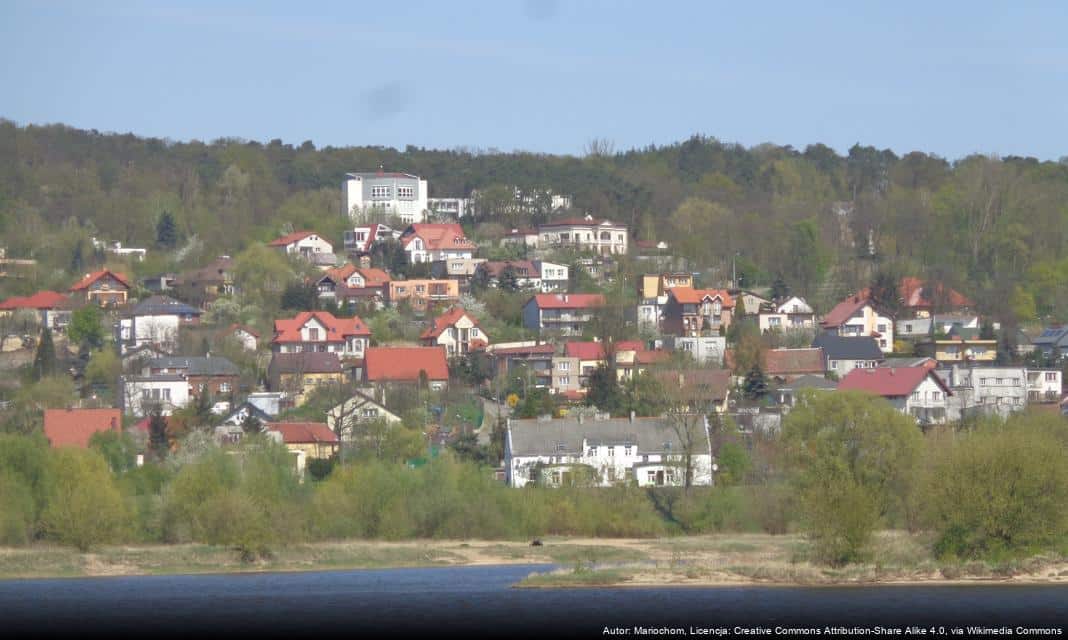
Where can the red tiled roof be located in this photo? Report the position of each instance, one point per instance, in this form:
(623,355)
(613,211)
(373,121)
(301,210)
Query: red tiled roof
(438,237)
(845,310)
(446,320)
(337,329)
(290,238)
(778,362)
(374,277)
(93,277)
(889,382)
(595,350)
(911,292)
(652,357)
(568,300)
(74,427)
(403,364)
(304,432)
(39,300)
(339,274)
(689,295)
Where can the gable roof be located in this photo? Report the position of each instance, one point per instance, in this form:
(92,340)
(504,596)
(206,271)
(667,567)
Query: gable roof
(403,364)
(689,295)
(90,278)
(912,293)
(337,329)
(340,274)
(438,237)
(889,382)
(778,362)
(589,350)
(306,362)
(1052,336)
(163,306)
(74,427)
(303,432)
(290,238)
(567,300)
(39,300)
(808,381)
(844,310)
(446,320)
(374,277)
(848,347)
(195,365)
(805,306)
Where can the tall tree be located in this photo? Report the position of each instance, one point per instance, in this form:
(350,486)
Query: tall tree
(166,231)
(44,361)
(159,442)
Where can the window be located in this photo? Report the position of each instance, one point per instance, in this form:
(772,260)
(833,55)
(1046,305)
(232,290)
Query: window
(146,394)
(591,451)
(224,387)
(313,333)
(881,328)
(565,380)
(611,474)
(379,193)
(1051,376)
(405,192)
(611,451)
(650,476)
(626,450)
(565,366)
(936,395)
(916,396)
(533,474)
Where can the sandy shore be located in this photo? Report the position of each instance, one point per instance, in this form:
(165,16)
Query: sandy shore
(712,560)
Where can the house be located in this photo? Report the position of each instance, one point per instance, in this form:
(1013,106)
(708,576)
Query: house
(155,321)
(243,411)
(785,365)
(321,331)
(452,208)
(697,312)
(536,360)
(915,391)
(457,331)
(133,361)
(602,452)
(361,239)
(1052,340)
(706,350)
(527,238)
(921,300)
(753,302)
(651,247)
(910,361)
(792,314)
(391,194)
(462,270)
(787,394)
(554,277)
(1044,385)
(73,427)
(307,245)
(420,294)
(53,309)
(105,288)
(842,354)
(432,242)
(857,316)
(305,441)
(602,237)
(591,354)
(961,345)
(358,409)
(159,283)
(526,273)
(204,285)
(246,336)
(563,313)
(407,365)
(631,362)
(142,393)
(709,387)
(213,374)
(984,390)
(348,284)
(931,325)
(269,402)
(116,248)
(297,374)
(656,285)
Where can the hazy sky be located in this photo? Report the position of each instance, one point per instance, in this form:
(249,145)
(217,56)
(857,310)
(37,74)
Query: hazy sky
(950,78)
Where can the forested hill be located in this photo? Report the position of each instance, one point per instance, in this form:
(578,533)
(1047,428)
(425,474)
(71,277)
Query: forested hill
(996,229)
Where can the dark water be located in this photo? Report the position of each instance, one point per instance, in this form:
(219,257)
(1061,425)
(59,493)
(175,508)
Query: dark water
(477,601)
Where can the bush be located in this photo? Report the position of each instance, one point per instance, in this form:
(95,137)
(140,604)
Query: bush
(17,510)
(840,518)
(85,507)
(996,490)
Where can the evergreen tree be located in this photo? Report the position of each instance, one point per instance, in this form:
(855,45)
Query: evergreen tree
(779,289)
(159,443)
(603,390)
(739,308)
(77,257)
(986,330)
(755,386)
(509,279)
(44,361)
(166,231)
(300,296)
(883,292)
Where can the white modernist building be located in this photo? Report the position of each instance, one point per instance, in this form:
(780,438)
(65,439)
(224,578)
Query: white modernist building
(395,194)
(603,452)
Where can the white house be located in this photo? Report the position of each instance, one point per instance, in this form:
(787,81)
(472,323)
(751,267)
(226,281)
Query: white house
(360,408)
(141,393)
(602,237)
(362,238)
(915,391)
(1044,385)
(554,277)
(394,194)
(308,245)
(454,208)
(985,390)
(706,350)
(433,242)
(857,316)
(792,314)
(457,331)
(247,337)
(603,452)
(155,321)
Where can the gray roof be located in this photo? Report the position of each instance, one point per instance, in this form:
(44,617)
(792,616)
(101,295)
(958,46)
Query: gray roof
(809,382)
(848,347)
(163,306)
(306,362)
(566,435)
(195,365)
(159,377)
(1052,336)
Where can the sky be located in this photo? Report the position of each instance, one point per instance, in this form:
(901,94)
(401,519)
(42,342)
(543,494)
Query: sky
(950,78)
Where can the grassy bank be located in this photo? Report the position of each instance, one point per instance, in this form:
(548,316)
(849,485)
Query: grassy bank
(693,560)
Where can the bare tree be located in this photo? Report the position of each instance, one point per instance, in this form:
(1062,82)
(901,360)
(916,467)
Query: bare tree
(600,147)
(690,393)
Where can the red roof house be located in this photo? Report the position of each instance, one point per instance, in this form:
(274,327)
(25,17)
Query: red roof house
(74,427)
(290,238)
(456,330)
(320,331)
(40,301)
(404,364)
(304,432)
(915,391)
(103,287)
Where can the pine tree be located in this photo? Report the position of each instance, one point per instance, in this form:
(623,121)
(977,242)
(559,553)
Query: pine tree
(779,289)
(158,441)
(44,361)
(166,231)
(756,386)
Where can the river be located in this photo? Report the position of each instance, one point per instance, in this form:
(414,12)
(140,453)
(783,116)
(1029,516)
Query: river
(478,601)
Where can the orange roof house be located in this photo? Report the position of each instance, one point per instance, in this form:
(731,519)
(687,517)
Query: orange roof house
(40,301)
(404,364)
(74,427)
(692,312)
(456,330)
(104,287)
(315,328)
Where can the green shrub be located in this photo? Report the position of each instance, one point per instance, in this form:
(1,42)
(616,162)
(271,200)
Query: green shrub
(16,510)
(85,507)
(840,518)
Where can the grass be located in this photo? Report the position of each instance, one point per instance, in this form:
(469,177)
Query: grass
(573,578)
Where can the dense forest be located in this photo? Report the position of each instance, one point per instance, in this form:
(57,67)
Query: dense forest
(994,228)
